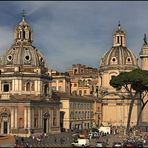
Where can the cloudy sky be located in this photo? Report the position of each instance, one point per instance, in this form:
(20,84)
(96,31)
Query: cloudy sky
(71,32)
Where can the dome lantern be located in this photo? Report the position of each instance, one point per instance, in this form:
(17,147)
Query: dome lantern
(119,37)
(23,32)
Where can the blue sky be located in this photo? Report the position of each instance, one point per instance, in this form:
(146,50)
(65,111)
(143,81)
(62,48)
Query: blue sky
(71,32)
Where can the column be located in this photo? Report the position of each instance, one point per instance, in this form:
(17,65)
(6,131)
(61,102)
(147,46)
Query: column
(15,117)
(32,117)
(29,118)
(25,118)
(58,117)
(12,117)
(41,118)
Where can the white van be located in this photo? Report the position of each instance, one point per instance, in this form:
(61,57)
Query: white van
(81,143)
(105,129)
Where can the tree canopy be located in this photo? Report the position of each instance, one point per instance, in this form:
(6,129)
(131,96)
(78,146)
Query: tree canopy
(136,80)
(136,84)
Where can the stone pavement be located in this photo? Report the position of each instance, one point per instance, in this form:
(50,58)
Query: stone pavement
(7,141)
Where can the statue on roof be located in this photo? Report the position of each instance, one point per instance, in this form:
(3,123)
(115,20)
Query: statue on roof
(145,39)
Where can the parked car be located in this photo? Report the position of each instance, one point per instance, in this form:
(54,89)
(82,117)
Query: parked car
(129,145)
(117,144)
(100,144)
(139,144)
(81,143)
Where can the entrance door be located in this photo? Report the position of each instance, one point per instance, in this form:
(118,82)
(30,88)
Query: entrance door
(5,127)
(45,125)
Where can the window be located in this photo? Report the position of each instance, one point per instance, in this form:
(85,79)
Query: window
(60,88)
(28,86)
(6,87)
(75,71)
(35,122)
(117,39)
(54,117)
(84,91)
(60,81)
(27,57)
(54,88)
(80,92)
(53,81)
(113,59)
(46,90)
(129,59)
(75,84)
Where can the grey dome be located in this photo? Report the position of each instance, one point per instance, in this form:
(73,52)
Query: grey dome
(22,52)
(119,56)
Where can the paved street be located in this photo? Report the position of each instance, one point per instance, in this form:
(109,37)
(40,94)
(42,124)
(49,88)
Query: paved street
(65,139)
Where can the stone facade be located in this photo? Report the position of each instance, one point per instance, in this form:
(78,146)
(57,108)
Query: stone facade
(144,66)
(115,104)
(84,80)
(77,112)
(26,105)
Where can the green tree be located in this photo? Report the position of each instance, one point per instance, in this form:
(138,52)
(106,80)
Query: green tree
(136,84)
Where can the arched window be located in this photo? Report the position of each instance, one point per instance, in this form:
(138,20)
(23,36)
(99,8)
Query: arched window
(28,86)
(23,34)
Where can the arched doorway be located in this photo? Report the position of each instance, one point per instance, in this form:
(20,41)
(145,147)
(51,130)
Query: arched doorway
(4,123)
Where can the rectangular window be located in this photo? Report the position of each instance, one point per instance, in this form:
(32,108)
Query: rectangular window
(118,103)
(60,81)
(75,85)
(35,122)
(6,87)
(117,39)
(53,88)
(54,118)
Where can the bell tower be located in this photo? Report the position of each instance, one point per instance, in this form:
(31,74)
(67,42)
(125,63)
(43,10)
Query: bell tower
(144,66)
(144,54)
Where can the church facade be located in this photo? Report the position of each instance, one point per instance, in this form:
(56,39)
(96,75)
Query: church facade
(115,103)
(26,105)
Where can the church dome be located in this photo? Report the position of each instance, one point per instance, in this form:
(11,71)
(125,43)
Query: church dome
(22,52)
(119,56)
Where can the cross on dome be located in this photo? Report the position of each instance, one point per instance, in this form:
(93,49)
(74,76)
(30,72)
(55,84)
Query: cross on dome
(23,13)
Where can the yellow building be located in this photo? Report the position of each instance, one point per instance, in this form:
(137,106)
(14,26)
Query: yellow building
(76,112)
(25,104)
(60,82)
